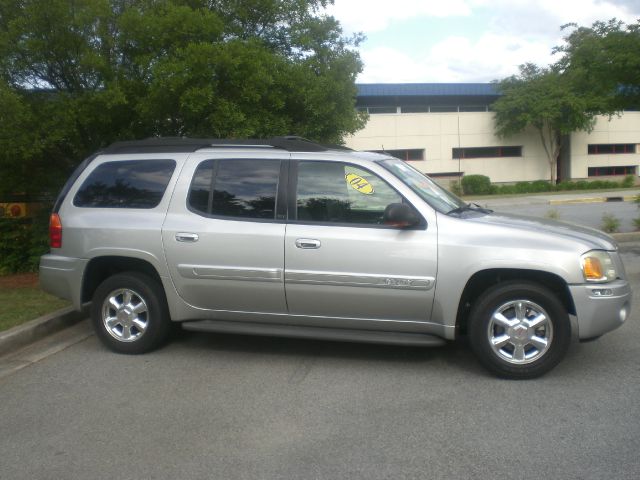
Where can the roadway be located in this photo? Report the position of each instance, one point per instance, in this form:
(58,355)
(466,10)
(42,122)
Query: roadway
(576,207)
(233,407)
(589,214)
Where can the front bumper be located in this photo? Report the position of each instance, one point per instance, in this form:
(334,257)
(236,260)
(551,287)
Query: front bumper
(62,277)
(601,308)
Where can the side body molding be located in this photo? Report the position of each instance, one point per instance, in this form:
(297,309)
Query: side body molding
(359,280)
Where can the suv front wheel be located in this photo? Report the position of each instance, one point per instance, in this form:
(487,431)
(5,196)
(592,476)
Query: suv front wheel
(519,330)
(129,313)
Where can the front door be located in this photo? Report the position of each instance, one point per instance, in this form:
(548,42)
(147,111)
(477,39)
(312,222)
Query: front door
(225,246)
(342,260)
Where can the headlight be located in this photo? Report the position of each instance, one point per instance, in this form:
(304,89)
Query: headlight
(597,266)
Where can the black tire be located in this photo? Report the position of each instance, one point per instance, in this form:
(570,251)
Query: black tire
(517,351)
(135,330)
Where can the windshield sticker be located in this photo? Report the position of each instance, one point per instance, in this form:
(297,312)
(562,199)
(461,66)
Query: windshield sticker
(359,184)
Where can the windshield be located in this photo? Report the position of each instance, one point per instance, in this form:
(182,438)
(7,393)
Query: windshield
(432,193)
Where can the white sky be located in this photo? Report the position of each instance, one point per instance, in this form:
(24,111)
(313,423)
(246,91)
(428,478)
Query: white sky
(464,40)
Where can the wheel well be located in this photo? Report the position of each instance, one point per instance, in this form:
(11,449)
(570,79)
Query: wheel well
(100,268)
(481,281)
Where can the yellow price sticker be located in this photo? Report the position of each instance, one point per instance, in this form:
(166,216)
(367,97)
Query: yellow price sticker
(358,183)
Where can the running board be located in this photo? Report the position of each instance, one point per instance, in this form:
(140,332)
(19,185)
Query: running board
(316,333)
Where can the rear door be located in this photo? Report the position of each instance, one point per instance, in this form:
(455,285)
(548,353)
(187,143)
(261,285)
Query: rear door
(224,233)
(341,260)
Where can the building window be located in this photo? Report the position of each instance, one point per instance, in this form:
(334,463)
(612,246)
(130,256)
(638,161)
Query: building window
(415,108)
(606,171)
(473,108)
(443,108)
(486,152)
(609,148)
(375,110)
(412,154)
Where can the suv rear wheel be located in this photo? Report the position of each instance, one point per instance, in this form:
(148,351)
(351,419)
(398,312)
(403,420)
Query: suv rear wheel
(519,330)
(129,313)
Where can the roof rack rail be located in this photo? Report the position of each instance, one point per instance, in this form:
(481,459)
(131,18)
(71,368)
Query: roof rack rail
(183,144)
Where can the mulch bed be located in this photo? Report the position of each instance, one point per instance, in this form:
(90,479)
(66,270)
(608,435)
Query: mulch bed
(19,280)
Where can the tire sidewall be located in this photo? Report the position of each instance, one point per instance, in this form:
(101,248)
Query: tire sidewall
(502,293)
(153,295)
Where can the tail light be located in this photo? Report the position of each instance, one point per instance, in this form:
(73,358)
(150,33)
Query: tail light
(55,231)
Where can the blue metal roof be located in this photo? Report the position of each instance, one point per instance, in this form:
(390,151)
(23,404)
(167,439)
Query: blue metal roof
(426,89)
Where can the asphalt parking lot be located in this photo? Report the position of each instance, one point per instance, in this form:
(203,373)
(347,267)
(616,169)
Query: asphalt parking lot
(234,407)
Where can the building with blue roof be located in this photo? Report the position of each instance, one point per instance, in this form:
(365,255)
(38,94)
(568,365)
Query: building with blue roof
(447,130)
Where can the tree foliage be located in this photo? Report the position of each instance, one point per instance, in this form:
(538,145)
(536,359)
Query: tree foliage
(75,76)
(603,61)
(598,73)
(541,99)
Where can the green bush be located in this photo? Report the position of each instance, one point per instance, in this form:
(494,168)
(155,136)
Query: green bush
(610,223)
(22,241)
(476,185)
(481,185)
(566,185)
(553,214)
(506,189)
(629,181)
(455,187)
(533,187)
(602,184)
(540,186)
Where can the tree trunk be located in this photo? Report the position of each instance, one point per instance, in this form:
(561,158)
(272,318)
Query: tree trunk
(551,143)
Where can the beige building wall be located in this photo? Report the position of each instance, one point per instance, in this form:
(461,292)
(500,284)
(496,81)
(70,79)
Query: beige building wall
(624,129)
(439,133)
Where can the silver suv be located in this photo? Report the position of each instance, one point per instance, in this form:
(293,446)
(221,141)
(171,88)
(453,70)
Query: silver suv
(287,237)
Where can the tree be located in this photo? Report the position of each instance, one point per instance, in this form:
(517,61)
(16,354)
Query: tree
(75,76)
(545,100)
(603,61)
(598,73)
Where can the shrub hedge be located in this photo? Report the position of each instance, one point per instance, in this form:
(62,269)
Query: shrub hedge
(22,241)
(481,185)
(476,185)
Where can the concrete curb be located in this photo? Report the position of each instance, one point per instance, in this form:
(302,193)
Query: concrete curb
(33,330)
(616,198)
(626,237)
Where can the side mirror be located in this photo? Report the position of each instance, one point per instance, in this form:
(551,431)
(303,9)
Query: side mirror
(400,215)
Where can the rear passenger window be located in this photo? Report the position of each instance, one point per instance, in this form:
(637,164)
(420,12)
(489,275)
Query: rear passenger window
(128,184)
(235,188)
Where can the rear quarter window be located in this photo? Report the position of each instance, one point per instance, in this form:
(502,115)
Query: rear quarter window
(126,184)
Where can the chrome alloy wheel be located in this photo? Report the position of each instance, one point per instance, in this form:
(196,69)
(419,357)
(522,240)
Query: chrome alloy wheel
(520,332)
(125,315)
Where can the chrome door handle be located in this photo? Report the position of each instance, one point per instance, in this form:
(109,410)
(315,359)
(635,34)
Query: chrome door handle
(187,237)
(307,243)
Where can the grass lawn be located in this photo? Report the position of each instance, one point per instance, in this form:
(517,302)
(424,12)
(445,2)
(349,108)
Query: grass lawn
(22,300)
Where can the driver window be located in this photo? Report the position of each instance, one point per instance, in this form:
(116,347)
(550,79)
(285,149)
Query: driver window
(333,192)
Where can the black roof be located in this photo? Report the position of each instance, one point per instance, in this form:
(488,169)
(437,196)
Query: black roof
(183,144)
